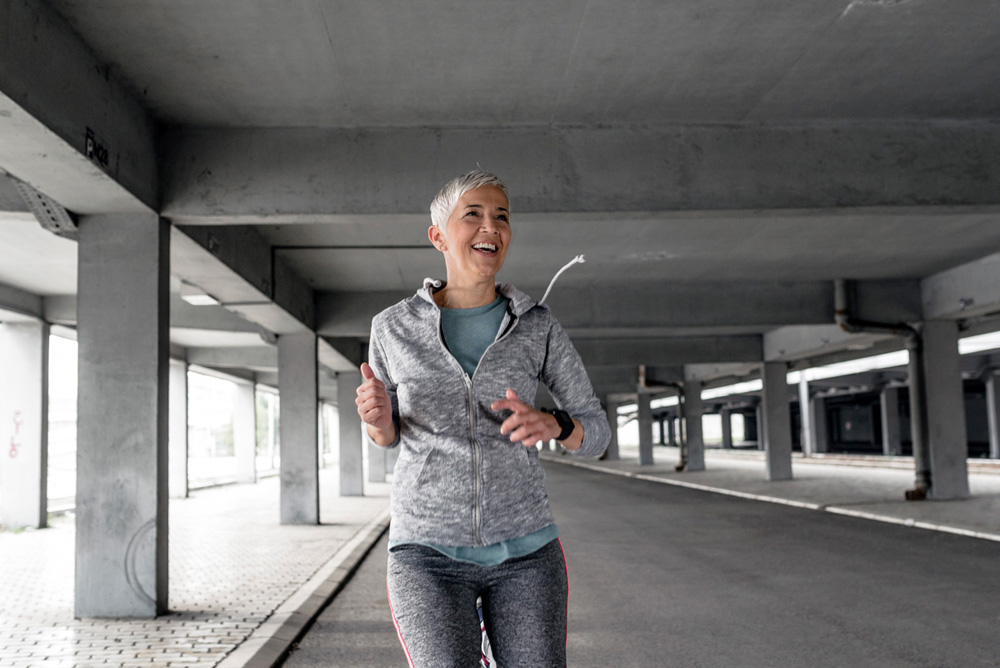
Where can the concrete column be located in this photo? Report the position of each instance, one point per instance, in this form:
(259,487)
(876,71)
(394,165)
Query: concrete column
(777,423)
(817,410)
(298,385)
(245,432)
(727,428)
(178,431)
(889,403)
(351,440)
(24,424)
(946,435)
(692,423)
(661,424)
(672,431)
(612,411)
(320,436)
(123,320)
(806,436)
(645,430)
(761,426)
(390,460)
(376,461)
(993,414)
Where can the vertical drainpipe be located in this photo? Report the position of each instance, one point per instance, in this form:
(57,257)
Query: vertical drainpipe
(918,412)
(681,428)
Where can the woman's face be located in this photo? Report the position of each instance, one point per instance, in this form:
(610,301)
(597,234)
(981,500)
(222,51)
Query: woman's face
(477,235)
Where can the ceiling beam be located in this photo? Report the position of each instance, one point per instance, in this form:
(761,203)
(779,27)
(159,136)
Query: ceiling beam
(668,351)
(245,357)
(967,291)
(231,174)
(652,309)
(71,130)
(20,302)
(235,266)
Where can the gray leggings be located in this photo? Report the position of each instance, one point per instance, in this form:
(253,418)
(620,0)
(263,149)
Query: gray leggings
(433,601)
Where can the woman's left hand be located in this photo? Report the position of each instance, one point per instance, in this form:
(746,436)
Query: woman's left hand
(526,423)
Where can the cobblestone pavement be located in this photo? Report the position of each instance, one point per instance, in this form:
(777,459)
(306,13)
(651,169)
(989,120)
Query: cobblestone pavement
(231,565)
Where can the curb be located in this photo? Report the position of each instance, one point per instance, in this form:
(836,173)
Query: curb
(270,643)
(835,510)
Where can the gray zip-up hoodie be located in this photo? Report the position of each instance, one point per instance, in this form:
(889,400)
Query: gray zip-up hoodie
(458,480)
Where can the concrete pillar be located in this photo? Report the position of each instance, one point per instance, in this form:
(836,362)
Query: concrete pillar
(376,461)
(178,431)
(889,403)
(761,426)
(298,385)
(390,460)
(320,436)
(692,423)
(24,418)
(245,432)
(661,424)
(945,402)
(805,419)
(645,430)
(672,431)
(123,320)
(727,428)
(612,411)
(993,414)
(817,412)
(777,423)
(352,475)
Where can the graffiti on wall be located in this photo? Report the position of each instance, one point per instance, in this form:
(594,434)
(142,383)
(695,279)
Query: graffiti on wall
(15,439)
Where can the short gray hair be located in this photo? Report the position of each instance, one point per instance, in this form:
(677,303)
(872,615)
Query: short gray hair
(445,202)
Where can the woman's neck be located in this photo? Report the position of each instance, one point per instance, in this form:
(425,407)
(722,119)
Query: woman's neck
(455,295)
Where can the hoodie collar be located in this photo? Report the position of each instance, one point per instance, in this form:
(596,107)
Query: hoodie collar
(520,303)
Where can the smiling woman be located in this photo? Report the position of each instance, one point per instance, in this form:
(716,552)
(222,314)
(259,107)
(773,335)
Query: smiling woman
(451,380)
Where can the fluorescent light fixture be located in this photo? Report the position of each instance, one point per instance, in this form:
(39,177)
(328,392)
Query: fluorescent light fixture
(977,344)
(195,296)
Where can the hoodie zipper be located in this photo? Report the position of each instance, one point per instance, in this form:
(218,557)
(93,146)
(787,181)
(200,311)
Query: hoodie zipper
(477,454)
(477,510)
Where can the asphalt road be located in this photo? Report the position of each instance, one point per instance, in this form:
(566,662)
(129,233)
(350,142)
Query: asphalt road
(665,576)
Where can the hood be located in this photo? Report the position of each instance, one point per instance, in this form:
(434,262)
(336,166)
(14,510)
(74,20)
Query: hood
(520,303)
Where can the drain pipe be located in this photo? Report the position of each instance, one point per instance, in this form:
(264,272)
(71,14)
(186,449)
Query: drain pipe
(681,427)
(918,413)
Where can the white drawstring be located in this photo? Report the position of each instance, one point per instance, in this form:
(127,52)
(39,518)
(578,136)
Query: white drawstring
(578,258)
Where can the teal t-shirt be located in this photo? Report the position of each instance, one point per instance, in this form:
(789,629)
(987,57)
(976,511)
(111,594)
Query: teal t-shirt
(492,555)
(468,332)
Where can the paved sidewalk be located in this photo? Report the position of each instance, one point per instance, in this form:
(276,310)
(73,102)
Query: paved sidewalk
(241,585)
(870,488)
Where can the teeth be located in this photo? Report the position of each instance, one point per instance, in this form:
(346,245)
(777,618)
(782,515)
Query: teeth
(485,246)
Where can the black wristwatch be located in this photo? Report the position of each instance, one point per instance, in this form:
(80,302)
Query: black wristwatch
(564,420)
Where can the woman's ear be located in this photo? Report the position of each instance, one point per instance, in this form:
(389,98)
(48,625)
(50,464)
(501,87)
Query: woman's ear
(437,238)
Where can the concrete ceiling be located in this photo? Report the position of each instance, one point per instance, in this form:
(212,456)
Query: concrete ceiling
(719,163)
(397,63)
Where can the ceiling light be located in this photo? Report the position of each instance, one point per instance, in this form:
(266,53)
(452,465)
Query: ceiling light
(195,296)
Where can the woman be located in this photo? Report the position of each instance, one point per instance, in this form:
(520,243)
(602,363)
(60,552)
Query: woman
(451,379)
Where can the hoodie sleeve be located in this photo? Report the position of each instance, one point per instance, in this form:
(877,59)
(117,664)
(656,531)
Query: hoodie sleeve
(377,360)
(566,378)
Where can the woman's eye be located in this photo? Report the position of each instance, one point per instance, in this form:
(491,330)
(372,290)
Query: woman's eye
(503,218)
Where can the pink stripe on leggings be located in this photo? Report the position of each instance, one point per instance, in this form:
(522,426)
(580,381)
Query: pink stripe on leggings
(566,566)
(395,622)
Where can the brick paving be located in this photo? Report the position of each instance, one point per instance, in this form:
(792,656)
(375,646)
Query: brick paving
(231,566)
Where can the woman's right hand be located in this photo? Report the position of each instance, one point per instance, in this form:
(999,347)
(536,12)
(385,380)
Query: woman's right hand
(374,406)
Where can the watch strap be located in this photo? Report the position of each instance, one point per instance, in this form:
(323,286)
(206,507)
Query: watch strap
(564,420)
